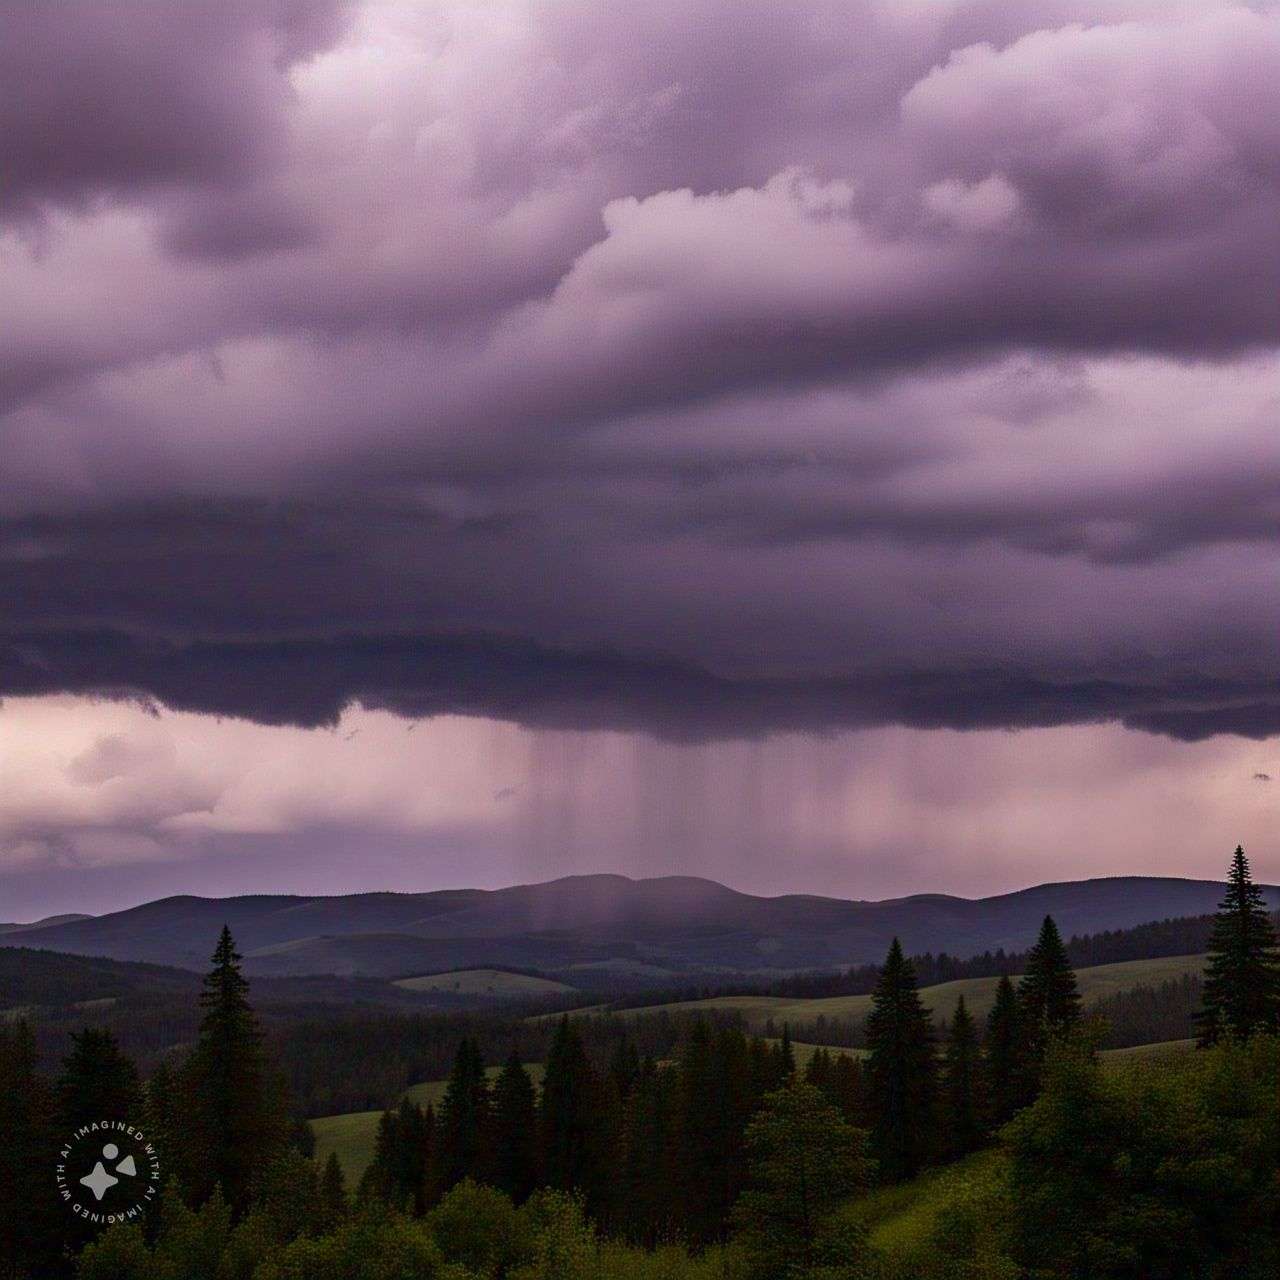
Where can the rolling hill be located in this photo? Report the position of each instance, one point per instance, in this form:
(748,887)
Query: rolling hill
(604,924)
(979,993)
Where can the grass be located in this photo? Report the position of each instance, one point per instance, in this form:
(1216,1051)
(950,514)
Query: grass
(979,994)
(352,1136)
(901,1218)
(1161,1049)
(494,983)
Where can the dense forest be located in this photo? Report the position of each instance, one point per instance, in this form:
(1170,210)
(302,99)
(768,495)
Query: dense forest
(682,1148)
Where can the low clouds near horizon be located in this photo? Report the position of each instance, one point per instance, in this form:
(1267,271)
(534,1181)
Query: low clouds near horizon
(684,368)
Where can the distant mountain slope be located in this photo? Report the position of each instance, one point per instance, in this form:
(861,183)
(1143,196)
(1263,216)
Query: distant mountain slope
(45,923)
(680,923)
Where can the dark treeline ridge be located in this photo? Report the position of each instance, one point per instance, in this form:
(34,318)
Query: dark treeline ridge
(362,1061)
(1182,936)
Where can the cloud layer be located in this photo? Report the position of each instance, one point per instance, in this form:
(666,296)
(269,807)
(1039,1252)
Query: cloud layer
(669,367)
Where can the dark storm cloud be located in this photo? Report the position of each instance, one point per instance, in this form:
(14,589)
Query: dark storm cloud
(110,99)
(308,683)
(708,369)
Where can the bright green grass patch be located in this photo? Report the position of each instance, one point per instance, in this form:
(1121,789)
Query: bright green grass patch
(494,983)
(901,1218)
(352,1136)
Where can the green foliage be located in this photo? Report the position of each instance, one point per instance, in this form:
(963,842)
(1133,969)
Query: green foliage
(1242,977)
(374,1245)
(901,1071)
(804,1159)
(119,1253)
(1164,1170)
(479,1228)
(562,1241)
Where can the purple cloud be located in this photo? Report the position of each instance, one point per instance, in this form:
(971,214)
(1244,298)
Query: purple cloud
(658,366)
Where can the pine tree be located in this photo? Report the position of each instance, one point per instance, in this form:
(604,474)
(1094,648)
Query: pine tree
(846,1088)
(788,1053)
(648,1208)
(97,1082)
(565,1119)
(1242,976)
(1048,993)
(624,1067)
(901,1071)
(464,1125)
(515,1131)
(1005,1053)
(32,1222)
(238,1123)
(331,1207)
(962,1085)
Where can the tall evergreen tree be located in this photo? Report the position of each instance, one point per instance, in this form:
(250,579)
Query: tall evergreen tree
(901,1071)
(647,1206)
(962,1085)
(1005,1053)
(464,1125)
(572,1158)
(331,1206)
(1048,993)
(515,1131)
(238,1122)
(97,1082)
(32,1221)
(1242,976)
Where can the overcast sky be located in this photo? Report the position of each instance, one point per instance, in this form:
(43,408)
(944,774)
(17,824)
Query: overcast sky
(824,446)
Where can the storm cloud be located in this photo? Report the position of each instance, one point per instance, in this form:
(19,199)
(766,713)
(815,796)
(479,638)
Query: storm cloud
(698,369)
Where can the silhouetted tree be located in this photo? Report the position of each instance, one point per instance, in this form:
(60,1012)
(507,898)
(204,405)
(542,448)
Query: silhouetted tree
(1048,993)
(332,1206)
(31,1219)
(1242,976)
(962,1085)
(901,1072)
(515,1131)
(1006,1055)
(237,1122)
(567,1119)
(97,1082)
(463,1129)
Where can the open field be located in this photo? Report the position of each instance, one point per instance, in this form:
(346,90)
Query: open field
(979,993)
(497,984)
(352,1135)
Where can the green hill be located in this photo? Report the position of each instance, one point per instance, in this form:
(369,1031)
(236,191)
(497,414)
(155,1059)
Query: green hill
(979,993)
(496,984)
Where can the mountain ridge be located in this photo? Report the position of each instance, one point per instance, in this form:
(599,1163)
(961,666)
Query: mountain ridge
(687,924)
